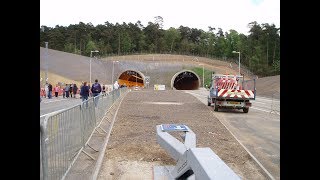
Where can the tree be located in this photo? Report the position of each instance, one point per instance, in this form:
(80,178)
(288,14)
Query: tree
(158,20)
(172,37)
(91,46)
(260,50)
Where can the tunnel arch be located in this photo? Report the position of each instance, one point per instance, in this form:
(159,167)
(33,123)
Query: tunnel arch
(131,78)
(185,80)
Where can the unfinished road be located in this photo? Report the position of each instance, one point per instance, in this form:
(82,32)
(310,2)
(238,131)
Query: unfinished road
(132,150)
(258,130)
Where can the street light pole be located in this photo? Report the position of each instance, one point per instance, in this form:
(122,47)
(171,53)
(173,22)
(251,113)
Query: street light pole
(113,71)
(239,60)
(90,62)
(47,63)
(202,74)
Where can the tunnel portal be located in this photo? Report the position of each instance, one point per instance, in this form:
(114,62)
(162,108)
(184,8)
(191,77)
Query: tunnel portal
(185,80)
(131,78)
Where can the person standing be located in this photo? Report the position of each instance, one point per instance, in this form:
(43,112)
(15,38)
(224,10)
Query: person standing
(80,90)
(40,91)
(104,90)
(84,93)
(116,85)
(74,89)
(46,90)
(56,90)
(71,90)
(49,91)
(67,89)
(96,90)
(63,92)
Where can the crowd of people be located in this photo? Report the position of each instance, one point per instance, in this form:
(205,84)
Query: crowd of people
(72,90)
(68,90)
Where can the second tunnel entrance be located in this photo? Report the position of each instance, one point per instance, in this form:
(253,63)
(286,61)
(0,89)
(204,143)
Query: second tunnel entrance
(185,80)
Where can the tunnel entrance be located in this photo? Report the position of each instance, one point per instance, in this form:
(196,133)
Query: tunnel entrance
(185,80)
(131,78)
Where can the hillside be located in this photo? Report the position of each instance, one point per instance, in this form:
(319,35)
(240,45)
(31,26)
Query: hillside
(268,86)
(68,67)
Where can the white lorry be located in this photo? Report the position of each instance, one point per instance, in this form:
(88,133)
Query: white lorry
(231,91)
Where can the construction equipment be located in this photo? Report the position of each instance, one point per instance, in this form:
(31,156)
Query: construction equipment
(231,91)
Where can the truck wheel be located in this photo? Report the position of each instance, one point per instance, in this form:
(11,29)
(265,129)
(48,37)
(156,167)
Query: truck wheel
(215,107)
(245,110)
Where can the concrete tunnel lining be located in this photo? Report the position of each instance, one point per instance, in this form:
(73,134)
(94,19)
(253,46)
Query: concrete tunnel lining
(185,80)
(130,77)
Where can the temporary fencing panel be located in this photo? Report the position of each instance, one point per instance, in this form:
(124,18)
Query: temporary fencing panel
(64,134)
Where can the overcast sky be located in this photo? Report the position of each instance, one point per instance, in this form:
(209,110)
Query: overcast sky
(225,14)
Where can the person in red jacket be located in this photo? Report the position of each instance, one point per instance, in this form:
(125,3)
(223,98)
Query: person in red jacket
(56,90)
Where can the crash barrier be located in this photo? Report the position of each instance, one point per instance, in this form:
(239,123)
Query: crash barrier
(65,134)
(192,162)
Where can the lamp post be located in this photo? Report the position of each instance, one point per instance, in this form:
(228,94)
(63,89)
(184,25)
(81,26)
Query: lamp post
(47,64)
(113,70)
(239,60)
(90,62)
(202,74)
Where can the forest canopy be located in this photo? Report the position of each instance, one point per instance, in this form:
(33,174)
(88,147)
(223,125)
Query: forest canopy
(259,50)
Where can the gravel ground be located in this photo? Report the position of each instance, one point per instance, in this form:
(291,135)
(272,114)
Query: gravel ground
(132,150)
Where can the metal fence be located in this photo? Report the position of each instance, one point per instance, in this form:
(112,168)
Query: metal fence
(64,134)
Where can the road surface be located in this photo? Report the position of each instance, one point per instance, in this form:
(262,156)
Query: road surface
(258,130)
(55,104)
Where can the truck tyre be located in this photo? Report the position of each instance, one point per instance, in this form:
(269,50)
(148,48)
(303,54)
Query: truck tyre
(215,107)
(245,110)
(209,103)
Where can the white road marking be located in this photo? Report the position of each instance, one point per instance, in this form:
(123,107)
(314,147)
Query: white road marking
(265,110)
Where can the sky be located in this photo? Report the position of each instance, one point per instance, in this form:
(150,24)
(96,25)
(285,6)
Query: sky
(224,14)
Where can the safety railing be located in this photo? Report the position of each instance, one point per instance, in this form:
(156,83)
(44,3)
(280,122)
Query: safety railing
(65,134)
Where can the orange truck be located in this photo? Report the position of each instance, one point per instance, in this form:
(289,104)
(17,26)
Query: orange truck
(231,91)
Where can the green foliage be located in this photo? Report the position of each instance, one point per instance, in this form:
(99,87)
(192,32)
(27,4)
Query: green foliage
(171,37)
(276,67)
(91,46)
(207,75)
(259,51)
(69,47)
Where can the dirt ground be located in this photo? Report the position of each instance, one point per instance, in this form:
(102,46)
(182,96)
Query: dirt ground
(268,86)
(132,150)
